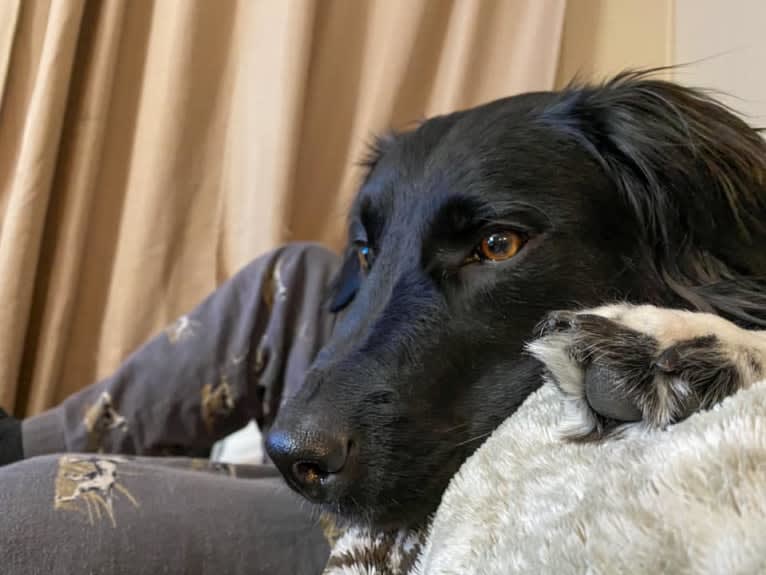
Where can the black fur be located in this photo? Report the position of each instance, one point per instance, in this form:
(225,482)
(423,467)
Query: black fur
(637,190)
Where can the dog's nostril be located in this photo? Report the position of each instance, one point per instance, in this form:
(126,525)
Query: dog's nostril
(309,472)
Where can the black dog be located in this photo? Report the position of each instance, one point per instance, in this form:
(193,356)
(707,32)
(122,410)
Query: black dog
(468,230)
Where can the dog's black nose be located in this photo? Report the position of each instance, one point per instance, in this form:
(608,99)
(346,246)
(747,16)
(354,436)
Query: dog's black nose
(311,462)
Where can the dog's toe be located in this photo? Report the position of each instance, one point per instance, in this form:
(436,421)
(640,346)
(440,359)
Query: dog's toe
(605,396)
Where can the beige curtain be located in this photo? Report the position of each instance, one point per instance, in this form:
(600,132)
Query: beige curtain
(148,150)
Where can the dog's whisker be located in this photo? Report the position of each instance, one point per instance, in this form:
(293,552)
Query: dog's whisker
(456,427)
(477,438)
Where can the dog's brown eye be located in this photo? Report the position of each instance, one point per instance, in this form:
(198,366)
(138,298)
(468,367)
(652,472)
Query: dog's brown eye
(364,253)
(500,246)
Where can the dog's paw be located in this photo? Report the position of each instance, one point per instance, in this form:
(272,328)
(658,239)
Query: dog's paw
(621,364)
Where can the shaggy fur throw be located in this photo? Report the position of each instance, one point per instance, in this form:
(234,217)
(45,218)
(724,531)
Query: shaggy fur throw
(689,499)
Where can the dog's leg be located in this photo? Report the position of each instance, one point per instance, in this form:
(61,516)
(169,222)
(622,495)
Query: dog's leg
(622,365)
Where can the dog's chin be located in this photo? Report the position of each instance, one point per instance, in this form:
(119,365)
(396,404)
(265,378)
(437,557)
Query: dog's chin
(379,517)
(401,508)
(409,502)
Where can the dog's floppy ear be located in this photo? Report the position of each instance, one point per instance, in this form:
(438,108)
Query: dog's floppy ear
(694,176)
(346,282)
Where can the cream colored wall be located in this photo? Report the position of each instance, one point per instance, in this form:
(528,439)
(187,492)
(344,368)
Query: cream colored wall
(721,44)
(603,37)
(729,36)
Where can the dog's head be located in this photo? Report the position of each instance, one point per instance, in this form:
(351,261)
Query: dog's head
(468,229)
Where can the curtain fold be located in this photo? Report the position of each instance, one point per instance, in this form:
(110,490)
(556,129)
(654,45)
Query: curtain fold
(32,149)
(151,148)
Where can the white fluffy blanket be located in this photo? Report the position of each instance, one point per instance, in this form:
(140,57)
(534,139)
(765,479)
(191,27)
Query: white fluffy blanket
(690,499)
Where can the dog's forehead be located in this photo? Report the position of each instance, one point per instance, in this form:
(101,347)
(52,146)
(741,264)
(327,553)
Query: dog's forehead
(492,152)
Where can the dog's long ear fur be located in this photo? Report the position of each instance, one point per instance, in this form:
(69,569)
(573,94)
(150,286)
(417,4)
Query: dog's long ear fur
(693,174)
